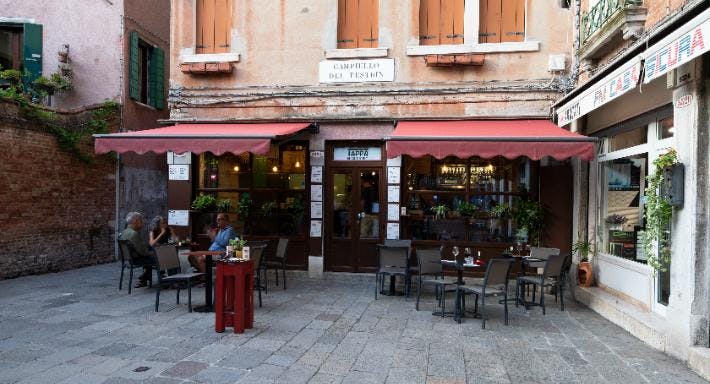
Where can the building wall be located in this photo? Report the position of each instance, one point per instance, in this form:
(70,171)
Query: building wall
(94,36)
(57,211)
(277,75)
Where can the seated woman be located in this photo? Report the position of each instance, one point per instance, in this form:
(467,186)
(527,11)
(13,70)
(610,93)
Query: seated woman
(160,232)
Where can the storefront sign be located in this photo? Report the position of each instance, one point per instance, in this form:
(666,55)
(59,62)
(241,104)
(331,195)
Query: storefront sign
(316,227)
(612,86)
(393,212)
(685,44)
(316,192)
(178,172)
(316,174)
(357,154)
(178,218)
(393,193)
(316,210)
(393,231)
(356,71)
(393,175)
(683,101)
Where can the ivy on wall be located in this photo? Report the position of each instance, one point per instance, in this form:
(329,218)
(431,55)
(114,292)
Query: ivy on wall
(658,215)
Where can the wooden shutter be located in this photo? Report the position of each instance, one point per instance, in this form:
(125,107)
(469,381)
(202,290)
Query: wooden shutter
(32,50)
(513,20)
(347,24)
(429,25)
(134,83)
(358,23)
(213,26)
(490,21)
(156,79)
(441,22)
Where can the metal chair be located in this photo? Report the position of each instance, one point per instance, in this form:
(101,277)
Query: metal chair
(129,258)
(404,243)
(541,253)
(552,276)
(392,261)
(257,250)
(167,259)
(429,264)
(495,283)
(279,261)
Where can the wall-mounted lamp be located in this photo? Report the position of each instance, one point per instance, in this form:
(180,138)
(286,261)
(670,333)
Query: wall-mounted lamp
(298,164)
(275,169)
(236,168)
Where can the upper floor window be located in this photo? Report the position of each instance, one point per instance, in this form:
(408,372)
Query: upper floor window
(213,26)
(21,48)
(10,47)
(147,73)
(501,21)
(441,22)
(357,23)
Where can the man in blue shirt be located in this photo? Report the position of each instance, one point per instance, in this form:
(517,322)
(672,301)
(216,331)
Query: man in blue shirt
(220,237)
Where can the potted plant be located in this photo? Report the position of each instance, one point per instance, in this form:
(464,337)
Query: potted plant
(244,210)
(237,245)
(224,205)
(529,215)
(439,211)
(585,276)
(204,203)
(466,209)
(615,221)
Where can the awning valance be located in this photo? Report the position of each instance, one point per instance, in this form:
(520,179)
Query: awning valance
(199,138)
(488,138)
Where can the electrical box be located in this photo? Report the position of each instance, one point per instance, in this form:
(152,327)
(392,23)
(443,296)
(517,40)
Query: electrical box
(674,189)
(556,63)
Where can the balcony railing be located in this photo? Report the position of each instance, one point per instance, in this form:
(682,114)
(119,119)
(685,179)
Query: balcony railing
(602,12)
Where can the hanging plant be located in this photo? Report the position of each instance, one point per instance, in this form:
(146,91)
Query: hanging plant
(658,215)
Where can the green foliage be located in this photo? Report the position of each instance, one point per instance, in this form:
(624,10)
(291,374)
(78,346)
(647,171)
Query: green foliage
(530,216)
(224,205)
(268,208)
(245,205)
(584,248)
(440,211)
(466,209)
(238,244)
(502,211)
(658,215)
(204,203)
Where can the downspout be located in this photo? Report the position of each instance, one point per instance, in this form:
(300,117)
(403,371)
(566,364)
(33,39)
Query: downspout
(117,197)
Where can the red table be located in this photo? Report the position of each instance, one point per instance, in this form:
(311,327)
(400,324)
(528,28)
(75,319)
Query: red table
(234,296)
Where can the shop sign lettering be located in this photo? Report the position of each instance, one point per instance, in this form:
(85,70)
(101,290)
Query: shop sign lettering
(683,101)
(356,71)
(357,154)
(678,52)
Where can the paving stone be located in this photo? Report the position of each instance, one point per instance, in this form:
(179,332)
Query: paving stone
(184,369)
(357,377)
(268,371)
(244,358)
(218,375)
(84,378)
(324,378)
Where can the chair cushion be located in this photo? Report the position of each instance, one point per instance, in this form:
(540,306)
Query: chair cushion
(478,289)
(440,282)
(181,276)
(536,280)
(392,270)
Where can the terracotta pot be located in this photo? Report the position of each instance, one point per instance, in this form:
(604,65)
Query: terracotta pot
(584,274)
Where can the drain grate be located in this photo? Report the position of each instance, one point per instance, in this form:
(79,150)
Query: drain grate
(141,369)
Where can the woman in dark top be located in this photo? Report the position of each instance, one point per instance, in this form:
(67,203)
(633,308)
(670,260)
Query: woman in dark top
(160,232)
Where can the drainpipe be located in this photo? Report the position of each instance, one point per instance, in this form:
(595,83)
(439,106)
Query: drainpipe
(117,210)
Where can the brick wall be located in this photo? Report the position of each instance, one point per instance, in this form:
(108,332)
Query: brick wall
(56,212)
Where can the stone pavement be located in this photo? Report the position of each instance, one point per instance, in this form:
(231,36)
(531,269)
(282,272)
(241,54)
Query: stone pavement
(76,327)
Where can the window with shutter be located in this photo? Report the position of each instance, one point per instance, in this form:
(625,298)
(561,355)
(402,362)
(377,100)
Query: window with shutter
(32,49)
(441,22)
(146,73)
(501,21)
(214,23)
(11,38)
(358,23)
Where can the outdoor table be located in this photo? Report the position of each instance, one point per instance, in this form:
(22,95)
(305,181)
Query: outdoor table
(208,278)
(460,266)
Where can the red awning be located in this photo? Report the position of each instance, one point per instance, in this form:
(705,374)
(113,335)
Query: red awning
(199,138)
(488,138)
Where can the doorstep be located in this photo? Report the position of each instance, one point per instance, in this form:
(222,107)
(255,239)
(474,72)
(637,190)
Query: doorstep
(643,324)
(699,361)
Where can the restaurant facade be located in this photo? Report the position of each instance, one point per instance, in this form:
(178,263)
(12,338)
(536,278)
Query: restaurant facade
(646,106)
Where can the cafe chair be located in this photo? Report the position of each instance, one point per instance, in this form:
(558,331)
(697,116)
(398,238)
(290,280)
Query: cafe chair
(495,283)
(539,253)
(278,260)
(129,258)
(392,261)
(404,243)
(257,250)
(429,265)
(552,276)
(168,260)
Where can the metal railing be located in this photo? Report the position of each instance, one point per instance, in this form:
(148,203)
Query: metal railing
(599,14)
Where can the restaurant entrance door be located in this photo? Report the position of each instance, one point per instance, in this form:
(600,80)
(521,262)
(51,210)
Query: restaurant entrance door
(354,218)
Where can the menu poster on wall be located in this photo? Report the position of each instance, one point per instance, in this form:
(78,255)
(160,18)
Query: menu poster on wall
(393,175)
(316,192)
(179,218)
(316,174)
(393,212)
(316,226)
(393,193)
(393,231)
(316,210)
(178,172)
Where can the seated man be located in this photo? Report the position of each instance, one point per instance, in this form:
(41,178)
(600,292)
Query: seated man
(220,237)
(134,222)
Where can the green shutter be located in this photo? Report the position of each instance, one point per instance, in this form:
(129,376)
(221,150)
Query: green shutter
(134,87)
(32,50)
(156,78)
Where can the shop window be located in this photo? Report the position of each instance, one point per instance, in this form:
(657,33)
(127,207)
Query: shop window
(21,48)
(213,26)
(357,23)
(666,130)
(628,139)
(147,73)
(441,22)
(470,189)
(501,21)
(274,184)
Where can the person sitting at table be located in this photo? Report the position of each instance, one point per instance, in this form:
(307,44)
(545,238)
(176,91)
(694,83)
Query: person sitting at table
(160,232)
(220,237)
(134,223)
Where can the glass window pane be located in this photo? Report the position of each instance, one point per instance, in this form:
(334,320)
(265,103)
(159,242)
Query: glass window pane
(342,204)
(634,137)
(370,204)
(665,128)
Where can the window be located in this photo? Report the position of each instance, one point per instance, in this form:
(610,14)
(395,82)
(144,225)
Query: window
(21,47)
(275,184)
(147,73)
(470,189)
(214,24)
(501,21)
(357,23)
(441,22)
